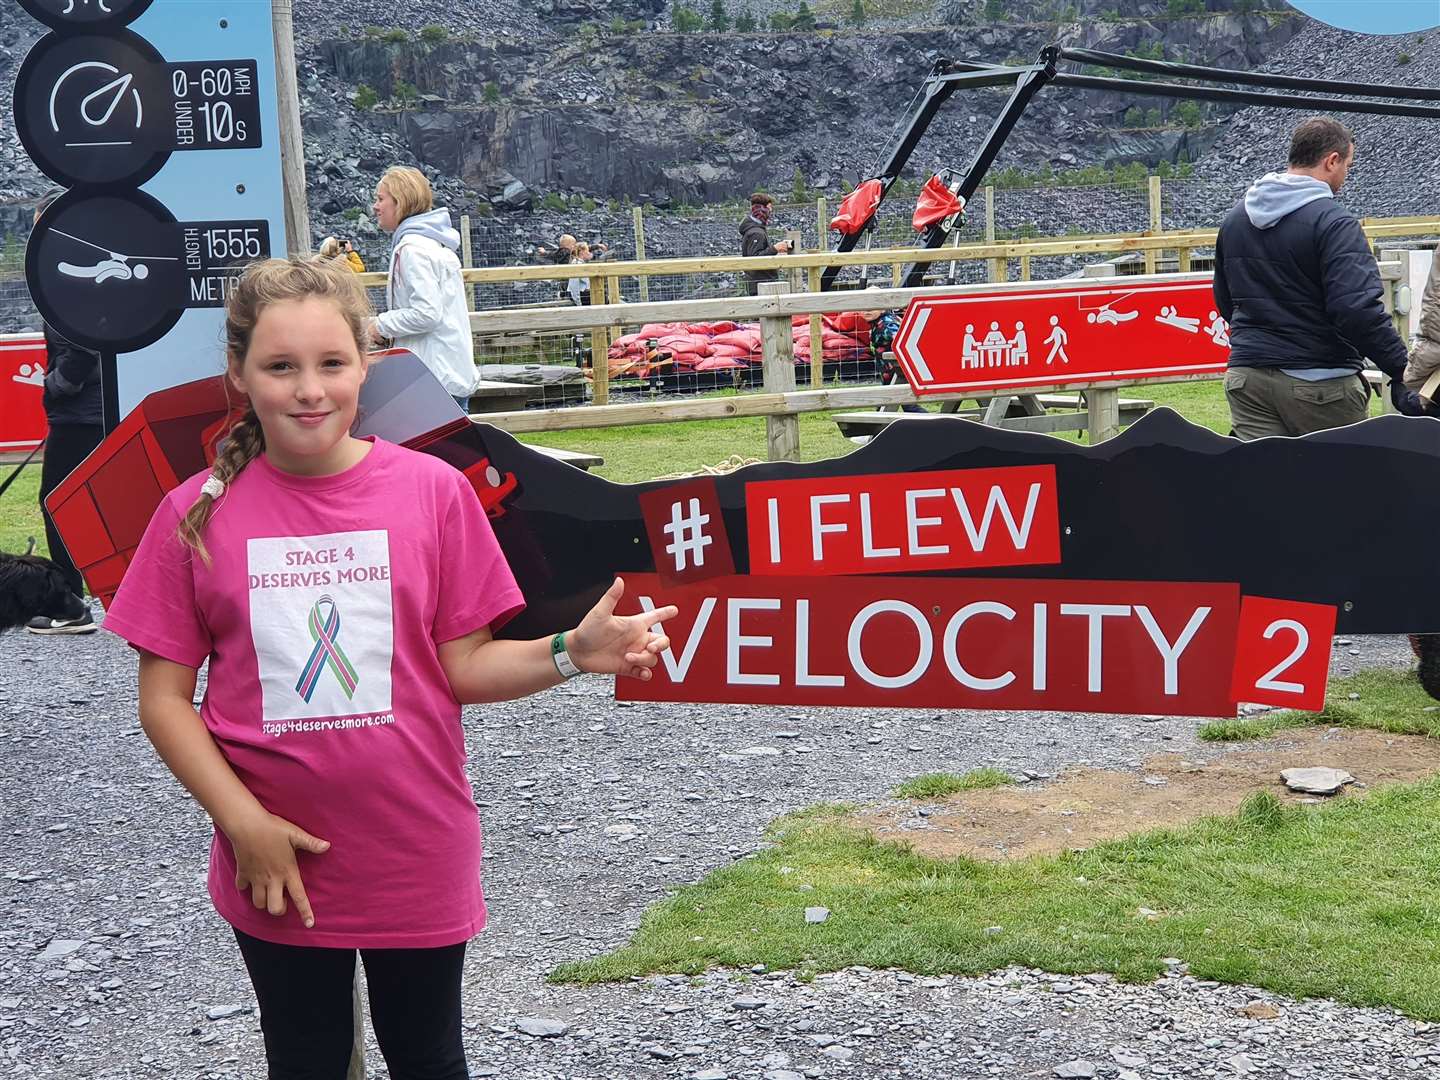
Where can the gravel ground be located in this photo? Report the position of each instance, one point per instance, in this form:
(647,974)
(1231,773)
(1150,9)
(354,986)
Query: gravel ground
(113,965)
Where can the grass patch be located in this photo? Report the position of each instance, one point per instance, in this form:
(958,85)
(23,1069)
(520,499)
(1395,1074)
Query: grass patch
(636,454)
(1388,701)
(1333,901)
(20,511)
(936,784)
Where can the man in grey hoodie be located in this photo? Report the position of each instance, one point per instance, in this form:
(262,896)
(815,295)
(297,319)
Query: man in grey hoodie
(1295,279)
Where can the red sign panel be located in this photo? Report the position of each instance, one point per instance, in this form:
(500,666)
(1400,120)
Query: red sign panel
(1088,333)
(687,531)
(890,522)
(1093,646)
(1282,653)
(22,382)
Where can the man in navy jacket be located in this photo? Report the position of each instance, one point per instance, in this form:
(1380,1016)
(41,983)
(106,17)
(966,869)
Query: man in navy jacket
(1295,279)
(74,415)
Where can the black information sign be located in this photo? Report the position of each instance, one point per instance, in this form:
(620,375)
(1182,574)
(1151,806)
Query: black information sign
(215,105)
(89,108)
(72,15)
(114,271)
(107,110)
(214,253)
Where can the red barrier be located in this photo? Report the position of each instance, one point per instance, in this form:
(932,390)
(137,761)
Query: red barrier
(22,380)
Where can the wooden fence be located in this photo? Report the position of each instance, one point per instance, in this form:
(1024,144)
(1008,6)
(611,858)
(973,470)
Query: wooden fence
(781,401)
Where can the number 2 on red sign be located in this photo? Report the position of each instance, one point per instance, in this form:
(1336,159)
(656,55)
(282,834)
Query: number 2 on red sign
(1282,653)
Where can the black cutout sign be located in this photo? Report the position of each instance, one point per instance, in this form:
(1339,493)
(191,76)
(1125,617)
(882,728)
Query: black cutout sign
(113,272)
(69,15)
(108,110)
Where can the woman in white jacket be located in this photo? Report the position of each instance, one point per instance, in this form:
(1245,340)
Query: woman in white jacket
(426,295)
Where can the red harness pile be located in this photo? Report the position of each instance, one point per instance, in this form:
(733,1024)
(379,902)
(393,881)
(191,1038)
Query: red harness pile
(722,346)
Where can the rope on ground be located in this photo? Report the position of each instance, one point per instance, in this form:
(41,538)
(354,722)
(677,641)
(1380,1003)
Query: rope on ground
(729,465)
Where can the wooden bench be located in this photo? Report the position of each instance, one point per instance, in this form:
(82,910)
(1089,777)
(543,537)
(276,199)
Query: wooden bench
(864,425)
(579,458)
(491,396)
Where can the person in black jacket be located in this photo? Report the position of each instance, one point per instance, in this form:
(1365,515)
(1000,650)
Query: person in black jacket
(75,415)
(1295,279)
(755,240)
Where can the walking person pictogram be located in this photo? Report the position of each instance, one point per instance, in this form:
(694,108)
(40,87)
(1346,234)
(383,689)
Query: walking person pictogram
(1057,340)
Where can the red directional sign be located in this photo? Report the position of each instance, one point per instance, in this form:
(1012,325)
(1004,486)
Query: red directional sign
(1089,333)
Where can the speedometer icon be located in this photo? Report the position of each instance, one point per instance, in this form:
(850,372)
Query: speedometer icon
(103,91)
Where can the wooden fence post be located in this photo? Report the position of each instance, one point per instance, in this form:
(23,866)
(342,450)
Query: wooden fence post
(1102,407)
(599,350)
(639,216)
(817,371)
(467,258)
(292,152)
(782,432)
(1151,255)
(999,268)
(822,227)
(795,239)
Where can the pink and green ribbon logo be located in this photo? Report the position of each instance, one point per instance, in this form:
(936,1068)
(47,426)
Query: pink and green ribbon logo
(325,632)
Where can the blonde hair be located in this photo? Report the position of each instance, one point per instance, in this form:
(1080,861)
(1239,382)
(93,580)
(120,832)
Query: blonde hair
(263,284)
(409,188)
(329,247)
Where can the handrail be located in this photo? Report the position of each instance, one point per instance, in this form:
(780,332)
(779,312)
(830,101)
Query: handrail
(1026,249)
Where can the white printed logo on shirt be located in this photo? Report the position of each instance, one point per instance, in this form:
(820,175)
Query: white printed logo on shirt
(320,618)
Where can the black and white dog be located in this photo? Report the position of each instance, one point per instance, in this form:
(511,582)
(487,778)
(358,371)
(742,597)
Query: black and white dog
(31,586)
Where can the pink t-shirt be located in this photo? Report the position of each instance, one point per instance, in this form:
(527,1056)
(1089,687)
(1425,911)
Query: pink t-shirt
(320,614)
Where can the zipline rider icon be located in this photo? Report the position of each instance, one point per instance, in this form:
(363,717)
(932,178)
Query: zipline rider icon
(107,270)
(114,265)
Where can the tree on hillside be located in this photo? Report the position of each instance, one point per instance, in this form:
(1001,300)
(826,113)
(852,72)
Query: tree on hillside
(1187,114)
(745,22)
(804,17)
(684,20)
(719,18)
(857,13)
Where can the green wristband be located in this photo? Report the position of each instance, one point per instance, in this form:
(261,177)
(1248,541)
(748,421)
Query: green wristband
(563,664)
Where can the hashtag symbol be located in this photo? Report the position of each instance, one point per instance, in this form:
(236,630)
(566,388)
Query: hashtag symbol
(687,534)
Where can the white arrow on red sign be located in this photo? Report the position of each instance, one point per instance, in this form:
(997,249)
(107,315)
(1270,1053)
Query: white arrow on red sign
(993,340)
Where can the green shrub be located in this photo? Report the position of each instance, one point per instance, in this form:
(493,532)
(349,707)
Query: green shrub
(1187,114)
(434,34)
(745,22)
(405,94)
(685,20)
(365,97)
(395,37)
(492,93)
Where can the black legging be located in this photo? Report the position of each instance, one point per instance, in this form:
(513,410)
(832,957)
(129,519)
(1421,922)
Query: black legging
(66,446)
(307,1019)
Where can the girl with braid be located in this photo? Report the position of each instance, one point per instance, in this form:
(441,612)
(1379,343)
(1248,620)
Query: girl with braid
(344,592)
